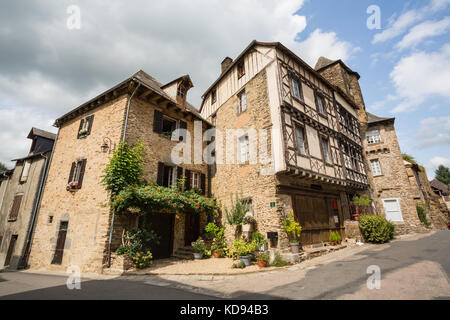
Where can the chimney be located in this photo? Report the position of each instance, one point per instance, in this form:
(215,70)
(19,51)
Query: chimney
(226,63)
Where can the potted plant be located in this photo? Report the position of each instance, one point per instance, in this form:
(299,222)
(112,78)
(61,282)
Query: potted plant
(244,250)
(259,239)
(72,186)
(335,238)
(199,249)
(294,230)
(263,260)
(361,205)
(338,237)
(82,132)
(218,239)
(247,223)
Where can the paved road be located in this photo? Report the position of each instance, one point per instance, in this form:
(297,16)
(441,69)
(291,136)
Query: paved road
(417,267)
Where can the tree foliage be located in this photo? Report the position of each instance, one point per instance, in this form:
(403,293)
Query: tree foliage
(443,174)
(3,167)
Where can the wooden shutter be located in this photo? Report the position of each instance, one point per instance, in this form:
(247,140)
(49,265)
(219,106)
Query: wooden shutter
(183,125)
(179,172)
(72,170)
(82,169)
(203,183)
(79,129)
(59,250)
(158,122)
(160,174)
(15,207)
(187,181)
(90,119)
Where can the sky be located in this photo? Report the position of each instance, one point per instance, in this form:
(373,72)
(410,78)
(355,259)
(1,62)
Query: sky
(48,66)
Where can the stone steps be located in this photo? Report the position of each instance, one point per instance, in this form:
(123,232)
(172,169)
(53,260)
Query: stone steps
(185,253)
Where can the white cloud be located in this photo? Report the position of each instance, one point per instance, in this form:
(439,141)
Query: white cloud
(434,163)
(422,31)
(434,132)
(325,44)
(420,76)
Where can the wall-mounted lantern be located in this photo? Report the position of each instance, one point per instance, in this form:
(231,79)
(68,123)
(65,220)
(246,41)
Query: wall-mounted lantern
(106,146)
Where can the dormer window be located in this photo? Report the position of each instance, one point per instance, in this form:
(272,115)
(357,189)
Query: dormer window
(181,92)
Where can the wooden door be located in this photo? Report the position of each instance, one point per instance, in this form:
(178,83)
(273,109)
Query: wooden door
(59,250)
(162,224)
(9,255)
(191,228)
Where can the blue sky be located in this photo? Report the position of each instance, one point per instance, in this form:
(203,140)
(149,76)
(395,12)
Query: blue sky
(423,129)
(47,68)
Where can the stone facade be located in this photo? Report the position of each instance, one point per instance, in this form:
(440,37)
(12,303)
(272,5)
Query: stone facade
(86,211)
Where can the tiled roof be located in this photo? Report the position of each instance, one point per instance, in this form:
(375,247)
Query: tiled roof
(440,186)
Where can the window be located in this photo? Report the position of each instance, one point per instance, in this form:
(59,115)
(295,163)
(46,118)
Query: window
(77,172)
(10,252)
(50,219)
(167,176)
(241,69)
(25,171)
(326,150)
(85,126)
(196,180)
(244,149)
(181,92)
(296,89)
(14,212)
(300,140)
(242,104)
(373,136)
(320,103)
(169,125)
(376,168)
(213,96)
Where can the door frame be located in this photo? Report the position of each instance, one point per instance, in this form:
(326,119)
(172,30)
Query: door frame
(11,247)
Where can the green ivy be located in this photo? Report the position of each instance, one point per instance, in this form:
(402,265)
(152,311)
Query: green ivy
(125,168)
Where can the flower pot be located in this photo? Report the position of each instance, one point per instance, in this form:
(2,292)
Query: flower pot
(332,243)
(295,247)
(356,217)
(198,256)
(246,227)
(262,263)
(246,260)
(217,254)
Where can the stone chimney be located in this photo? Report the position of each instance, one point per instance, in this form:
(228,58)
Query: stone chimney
(226,63)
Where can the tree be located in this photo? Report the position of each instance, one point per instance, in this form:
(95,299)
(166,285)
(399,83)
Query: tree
(408,158)
(443,174)
(3,167)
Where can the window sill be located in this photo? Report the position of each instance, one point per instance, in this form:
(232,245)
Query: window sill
(322,115)
(84,136)
(12,220)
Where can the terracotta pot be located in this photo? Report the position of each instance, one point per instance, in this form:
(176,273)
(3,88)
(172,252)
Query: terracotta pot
(262,263)
(332,243)
(356,216)
(217,254)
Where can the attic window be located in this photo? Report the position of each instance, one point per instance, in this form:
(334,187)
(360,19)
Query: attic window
(213,96)
(181,92)
(241,69)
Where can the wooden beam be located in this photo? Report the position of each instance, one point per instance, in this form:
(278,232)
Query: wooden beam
(146,93)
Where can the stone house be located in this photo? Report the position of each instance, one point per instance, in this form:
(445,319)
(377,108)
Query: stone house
(396,186)
(20,195)
(78,227)
(296,144)
(441,190)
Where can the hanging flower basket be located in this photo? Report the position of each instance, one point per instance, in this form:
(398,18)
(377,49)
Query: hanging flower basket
(72,186)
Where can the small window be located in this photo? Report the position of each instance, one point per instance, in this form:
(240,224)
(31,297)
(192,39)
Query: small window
(196,180)
(25,171)
(244,149)
(85,126)
(168,175)
(50,219)
(241,69)
(296,89)
(320,104)
(213,96)
(376,167)
(76,175)
(373,136)
(181,92)
(326,150)
(15,208)
(169,125)
(300,140)
(242,102)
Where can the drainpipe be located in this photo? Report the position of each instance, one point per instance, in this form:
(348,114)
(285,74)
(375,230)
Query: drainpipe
(111,228)
(26,252)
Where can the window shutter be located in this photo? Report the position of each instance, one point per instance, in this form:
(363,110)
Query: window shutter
(183,125)
(203,183)
(90,120)
(72,170)
(79,129)
(157,121)
(15,207)
(160,174)
(187,181)
(83,167)
(179,172)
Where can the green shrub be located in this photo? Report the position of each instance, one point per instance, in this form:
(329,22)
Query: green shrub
(142,260)
(421,212)
(258,238)
(239,208)
(243,248)
(278,261)
(293,228)
(332,237)
(376,229)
